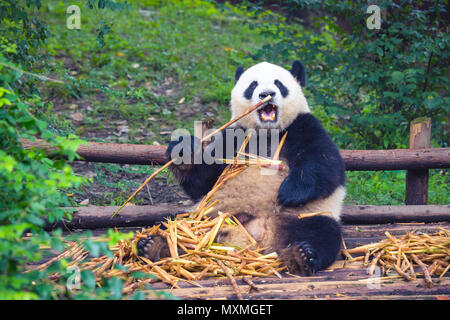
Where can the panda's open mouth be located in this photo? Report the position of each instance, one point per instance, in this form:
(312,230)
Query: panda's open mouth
(268,113)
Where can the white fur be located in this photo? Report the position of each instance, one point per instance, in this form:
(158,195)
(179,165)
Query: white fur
(256,194)
(250,191)
(265,74)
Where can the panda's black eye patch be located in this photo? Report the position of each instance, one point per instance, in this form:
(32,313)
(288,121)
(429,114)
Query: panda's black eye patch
(248,93)
(283,90)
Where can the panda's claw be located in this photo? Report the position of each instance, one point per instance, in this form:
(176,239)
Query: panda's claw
(152,247)
(143,245)
(301,258)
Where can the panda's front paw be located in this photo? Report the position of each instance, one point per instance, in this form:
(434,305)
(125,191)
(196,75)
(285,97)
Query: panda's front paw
(153,248)
(301,258)
(292,194)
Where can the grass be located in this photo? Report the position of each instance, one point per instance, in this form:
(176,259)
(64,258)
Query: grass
(164,65)
(388,187)
(153,58)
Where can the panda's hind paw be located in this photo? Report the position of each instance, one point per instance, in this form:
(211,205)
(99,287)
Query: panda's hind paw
(152,247)
(301,258)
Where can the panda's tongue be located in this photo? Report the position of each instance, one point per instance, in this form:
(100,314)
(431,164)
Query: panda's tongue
(268,113)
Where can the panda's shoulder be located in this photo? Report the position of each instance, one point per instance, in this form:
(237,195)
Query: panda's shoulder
(306,136)
(307,128)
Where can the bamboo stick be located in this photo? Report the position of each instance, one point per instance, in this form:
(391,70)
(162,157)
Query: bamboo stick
(426,274)
(230,277)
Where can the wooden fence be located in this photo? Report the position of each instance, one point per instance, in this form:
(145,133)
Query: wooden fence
(417,160)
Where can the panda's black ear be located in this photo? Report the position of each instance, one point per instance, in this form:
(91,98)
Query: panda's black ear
(239,72)
(299,73)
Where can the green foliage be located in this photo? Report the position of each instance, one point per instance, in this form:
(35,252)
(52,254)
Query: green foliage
(33,184)
(388,187)
(20,32)
(364,85)
(31,196)
(374,82)
(30,184)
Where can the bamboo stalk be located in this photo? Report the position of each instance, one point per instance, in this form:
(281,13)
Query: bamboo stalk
(251,284)
(308,215)
(278,151)
(230,277)
(426,274)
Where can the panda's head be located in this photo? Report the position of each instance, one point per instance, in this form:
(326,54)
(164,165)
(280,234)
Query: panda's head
(261,80)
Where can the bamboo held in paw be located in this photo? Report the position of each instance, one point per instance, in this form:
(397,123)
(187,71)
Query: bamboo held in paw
(229,123)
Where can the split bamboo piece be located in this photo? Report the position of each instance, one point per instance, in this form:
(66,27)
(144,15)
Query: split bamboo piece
(428,253)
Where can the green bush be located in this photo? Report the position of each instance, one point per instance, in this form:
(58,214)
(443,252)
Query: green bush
(32,184)
(373,82)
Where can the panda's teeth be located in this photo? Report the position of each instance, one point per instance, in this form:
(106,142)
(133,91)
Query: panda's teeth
(268,113)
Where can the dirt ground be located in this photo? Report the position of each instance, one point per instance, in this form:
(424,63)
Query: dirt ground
(108,186)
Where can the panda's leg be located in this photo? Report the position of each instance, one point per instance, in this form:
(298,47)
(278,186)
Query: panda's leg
(310,244)
(153,248)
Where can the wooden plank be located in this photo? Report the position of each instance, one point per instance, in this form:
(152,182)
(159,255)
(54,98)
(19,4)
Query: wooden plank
(366,214)
(93,217)
(393,159)
(110,152)
(313,288)
(417,179)
(342,280)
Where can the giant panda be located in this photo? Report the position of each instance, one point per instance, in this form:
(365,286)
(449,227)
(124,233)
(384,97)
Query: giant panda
(268,204)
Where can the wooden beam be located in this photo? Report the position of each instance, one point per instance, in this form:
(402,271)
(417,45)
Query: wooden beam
(111,152)
(94,217)
(417,179)
(363,160)
(396,159)
(366,214)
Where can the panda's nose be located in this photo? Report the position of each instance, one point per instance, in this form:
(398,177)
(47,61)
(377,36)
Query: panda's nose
(264,94)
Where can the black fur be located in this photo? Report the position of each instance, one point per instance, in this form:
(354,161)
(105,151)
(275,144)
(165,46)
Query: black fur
(309,244)
(200,178)
(238,74)
(283,90)
(316,167)
(248,93)
(299,73)
(265,94)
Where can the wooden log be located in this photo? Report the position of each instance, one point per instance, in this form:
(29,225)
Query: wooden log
(363,160)
(366,214)
(111,152)
(396,159)
(417,179)
(352,283)
(94,217)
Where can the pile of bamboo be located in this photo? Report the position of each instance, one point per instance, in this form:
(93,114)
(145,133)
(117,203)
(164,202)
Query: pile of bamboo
(194,233)
(410,255)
